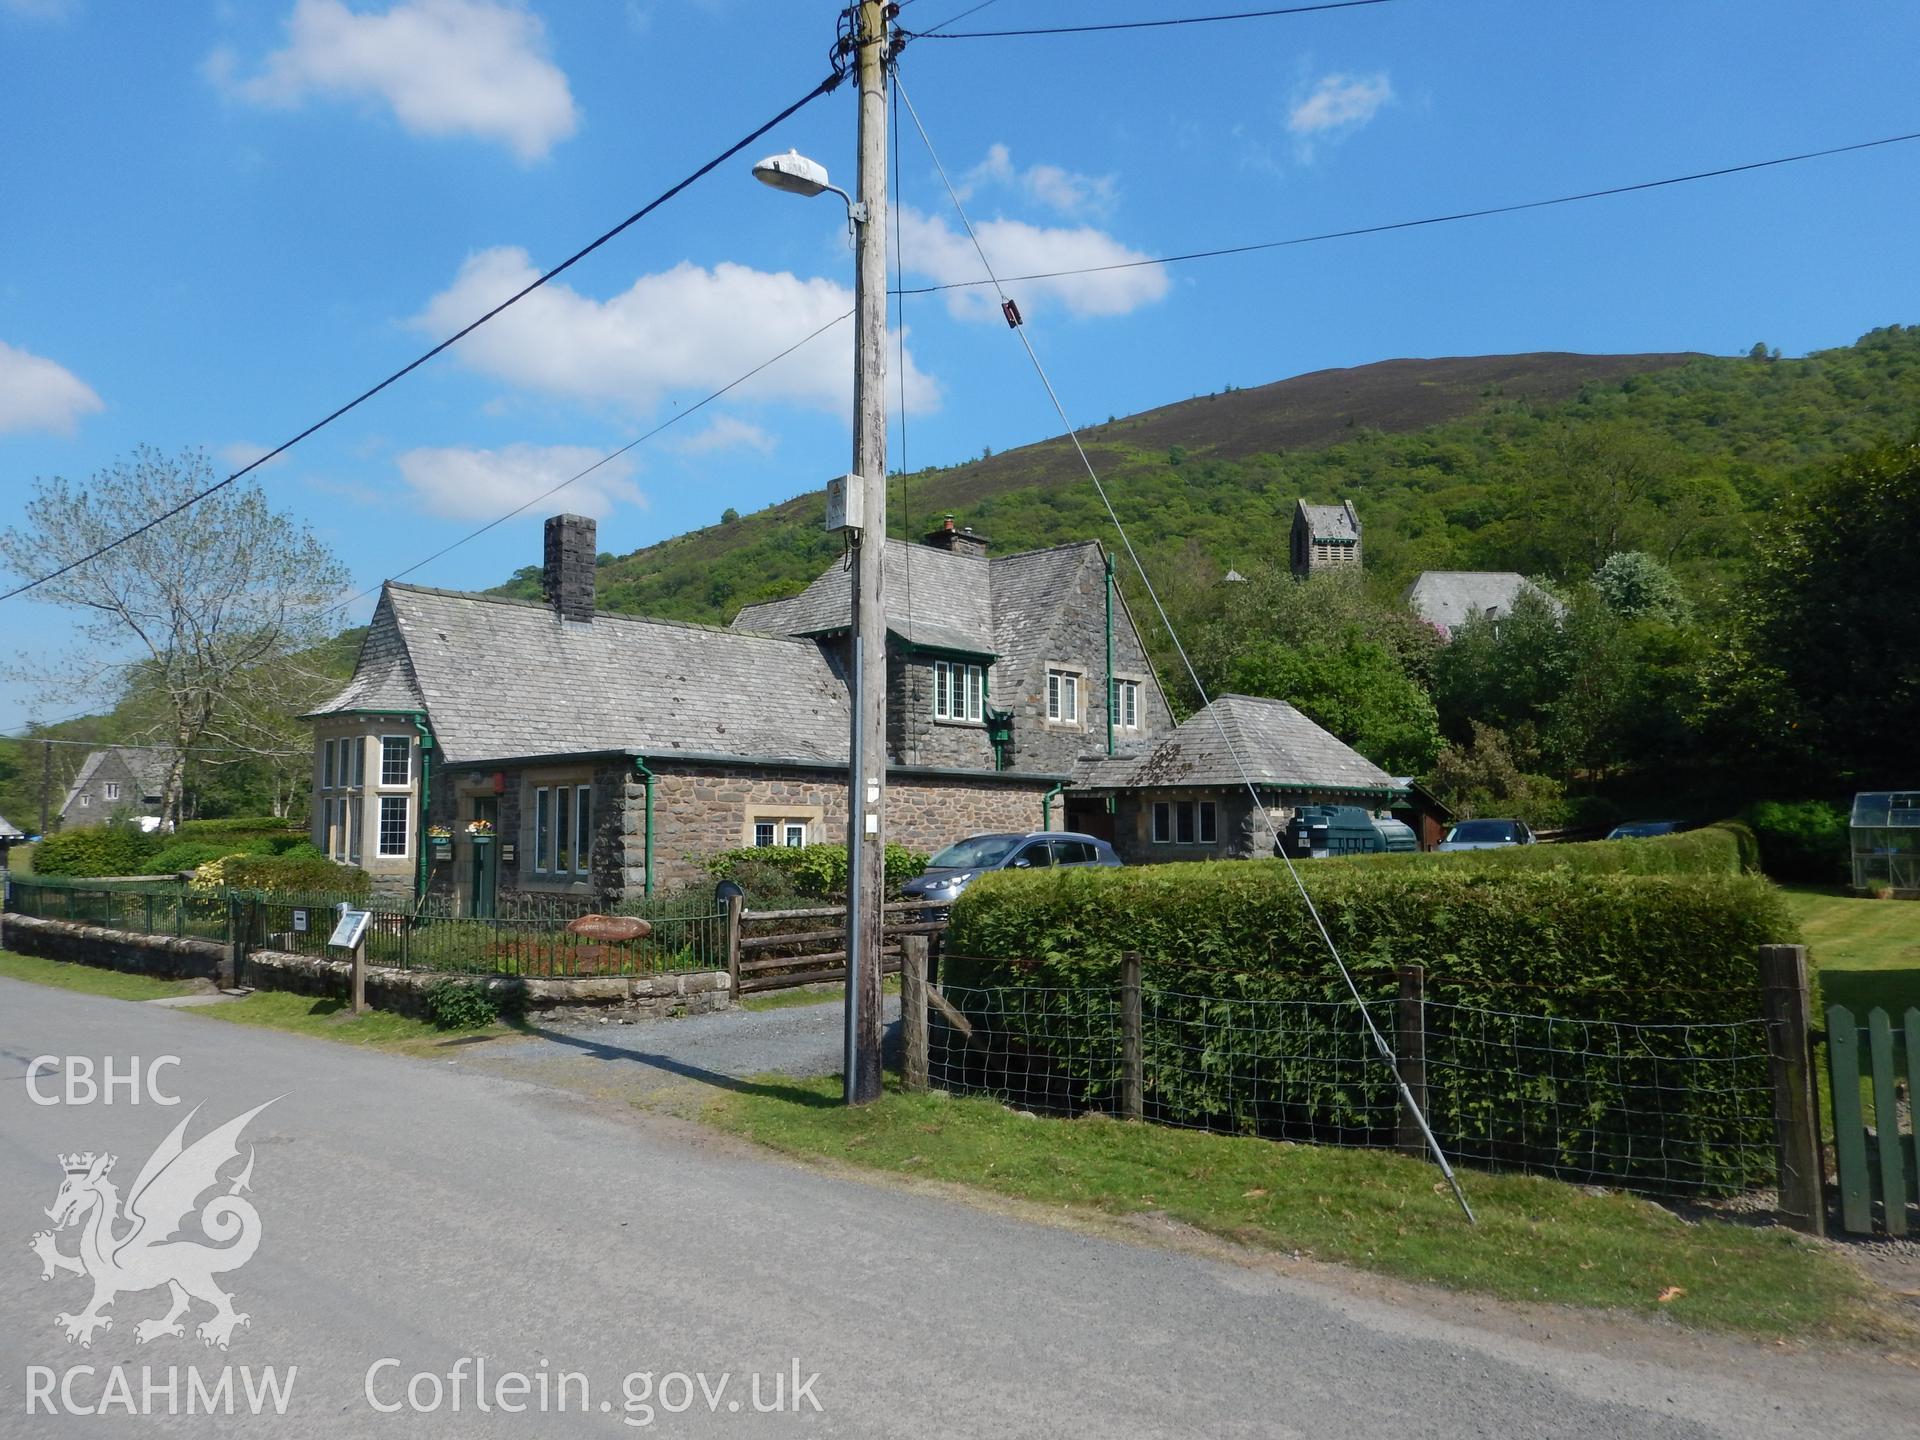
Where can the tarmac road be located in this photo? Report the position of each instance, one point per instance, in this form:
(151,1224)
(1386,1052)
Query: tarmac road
(419,1212)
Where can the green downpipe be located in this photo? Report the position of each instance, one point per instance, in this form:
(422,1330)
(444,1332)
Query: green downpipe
(1112,689)
(646,779)
(426,801)
(1046,806)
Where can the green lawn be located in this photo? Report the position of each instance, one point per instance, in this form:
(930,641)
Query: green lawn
(331,1020)
(1867,951)
(89,979)
(1536,1240)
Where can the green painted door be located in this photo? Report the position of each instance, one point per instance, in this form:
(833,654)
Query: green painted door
(486,860)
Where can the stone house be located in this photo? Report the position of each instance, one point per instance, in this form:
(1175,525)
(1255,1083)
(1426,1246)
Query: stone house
(1187,797)
(488,747)
(1324,538)
(120,782)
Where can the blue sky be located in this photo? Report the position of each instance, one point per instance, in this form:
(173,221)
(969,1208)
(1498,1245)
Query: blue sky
(218,221)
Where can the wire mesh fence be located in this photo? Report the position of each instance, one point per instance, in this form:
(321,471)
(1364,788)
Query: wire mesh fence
(1675,1110)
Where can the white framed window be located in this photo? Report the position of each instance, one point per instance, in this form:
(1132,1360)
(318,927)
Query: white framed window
(763,833)
(959,690)
(582,829)
(113,789)
(326,764)
(356,749)
(1185,822)
(562,829)
(393,826)
(1063,697)
(354,824)
(793,834)
(86,800)
(396,760)
(1126,704)
(787,831)
(542,830)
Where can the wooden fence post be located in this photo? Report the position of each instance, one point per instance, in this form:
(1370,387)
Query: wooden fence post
(1133,1080)
(1410,1052)
(1796,1122)
(360,975)
(735,904)
(913,1010)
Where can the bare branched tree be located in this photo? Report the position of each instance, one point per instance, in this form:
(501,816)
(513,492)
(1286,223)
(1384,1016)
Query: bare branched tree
(205,617)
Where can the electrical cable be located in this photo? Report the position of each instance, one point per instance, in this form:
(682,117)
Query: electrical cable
(612,455)
(1479,214)
(935,34)
(1384,1050)
(827,85)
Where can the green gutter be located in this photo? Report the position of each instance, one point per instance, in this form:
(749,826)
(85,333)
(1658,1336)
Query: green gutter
(646,778)
(1046,806)
(1112,689)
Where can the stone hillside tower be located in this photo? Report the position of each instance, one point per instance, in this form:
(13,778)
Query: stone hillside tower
(1325,537)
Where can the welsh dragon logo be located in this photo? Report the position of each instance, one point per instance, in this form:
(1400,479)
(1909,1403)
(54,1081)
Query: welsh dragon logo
(123,1252)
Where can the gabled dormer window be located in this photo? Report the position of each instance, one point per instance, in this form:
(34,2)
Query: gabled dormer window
(959,690)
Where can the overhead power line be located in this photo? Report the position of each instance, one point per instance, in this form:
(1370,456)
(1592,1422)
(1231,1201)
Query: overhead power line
(937,32)
(1446,219)
(1381,1048)
(825,86)
(611,455)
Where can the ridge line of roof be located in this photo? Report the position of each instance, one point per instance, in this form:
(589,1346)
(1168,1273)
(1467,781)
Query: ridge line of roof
(515,602)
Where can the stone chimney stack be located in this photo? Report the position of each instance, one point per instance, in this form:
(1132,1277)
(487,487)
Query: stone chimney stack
(960,542)
(567,572)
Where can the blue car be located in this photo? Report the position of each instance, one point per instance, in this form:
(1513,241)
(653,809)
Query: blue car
(957,866)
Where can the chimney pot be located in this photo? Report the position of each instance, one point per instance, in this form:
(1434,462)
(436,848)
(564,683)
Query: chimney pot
(957,541)
(567,572)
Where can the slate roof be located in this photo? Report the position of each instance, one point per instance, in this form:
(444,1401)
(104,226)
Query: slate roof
(1449,598)
(933,597)
(1002,607)
(1239,738)
(1333,524)
(9,832)
(147,763)
(507,679)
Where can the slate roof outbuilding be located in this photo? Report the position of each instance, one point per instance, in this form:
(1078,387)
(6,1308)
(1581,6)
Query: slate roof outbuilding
(147,764)
(10,834)
(1239,738)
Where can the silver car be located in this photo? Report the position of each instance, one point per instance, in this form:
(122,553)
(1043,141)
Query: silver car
(957,866)
(1487,835)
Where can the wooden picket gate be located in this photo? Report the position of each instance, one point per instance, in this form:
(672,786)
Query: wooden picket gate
(772,949)
(1877,1162)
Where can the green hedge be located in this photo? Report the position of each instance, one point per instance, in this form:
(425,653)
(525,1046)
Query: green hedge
(284,875)
(1804,841)
(95,850)
(808,872)
(1222,942)
(1728,848)
(241,827)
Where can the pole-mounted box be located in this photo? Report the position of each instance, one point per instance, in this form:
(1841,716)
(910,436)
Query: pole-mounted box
(846,502)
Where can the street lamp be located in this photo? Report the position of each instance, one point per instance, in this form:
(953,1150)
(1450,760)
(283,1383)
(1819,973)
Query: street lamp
(864,519)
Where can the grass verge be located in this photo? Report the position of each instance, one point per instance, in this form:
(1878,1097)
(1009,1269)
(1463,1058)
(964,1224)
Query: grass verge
(1537,1239)
(331,1020)
(89,979)
(1867,951)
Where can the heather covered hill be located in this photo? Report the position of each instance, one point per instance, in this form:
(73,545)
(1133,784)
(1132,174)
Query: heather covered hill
(1542,463)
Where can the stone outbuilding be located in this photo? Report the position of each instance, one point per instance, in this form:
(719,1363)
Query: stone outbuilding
(1191,795)
(488,747)
(118,783)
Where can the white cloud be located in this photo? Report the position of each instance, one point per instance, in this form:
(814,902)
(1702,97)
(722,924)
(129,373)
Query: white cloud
(1066,191)
(727,432)
(936,250)
(244,452)
(687,328)
(1339,103)
(38,394)
(465,484)
(446,67)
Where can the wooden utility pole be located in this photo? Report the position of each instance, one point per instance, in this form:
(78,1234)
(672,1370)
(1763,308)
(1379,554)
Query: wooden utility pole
(46,785)
(867,772)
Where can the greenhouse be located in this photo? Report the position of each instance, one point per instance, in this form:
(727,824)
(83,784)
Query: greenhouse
(1886,842)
